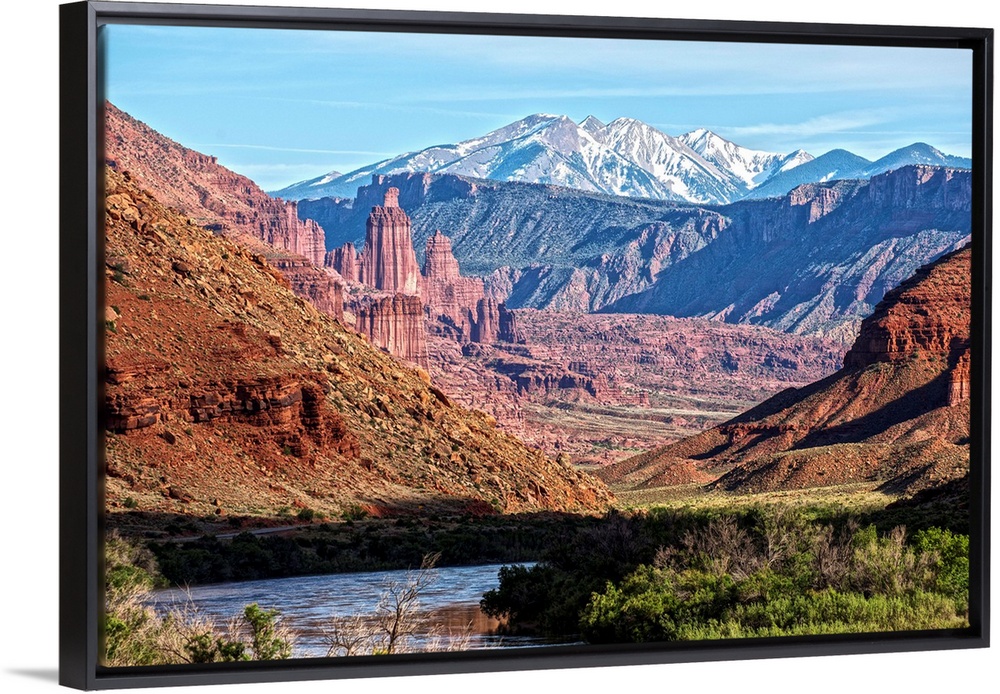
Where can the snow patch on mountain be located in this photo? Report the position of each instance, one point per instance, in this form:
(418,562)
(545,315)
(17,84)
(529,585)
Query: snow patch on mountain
(625,157)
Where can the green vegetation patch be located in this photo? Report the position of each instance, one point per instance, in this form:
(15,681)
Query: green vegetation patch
(671,575)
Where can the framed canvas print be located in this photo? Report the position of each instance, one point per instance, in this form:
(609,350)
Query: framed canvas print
(427,342)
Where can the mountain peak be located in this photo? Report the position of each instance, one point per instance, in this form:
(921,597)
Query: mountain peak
(626,157)
(629,123)
(542,117)
(917,153)
(698,134)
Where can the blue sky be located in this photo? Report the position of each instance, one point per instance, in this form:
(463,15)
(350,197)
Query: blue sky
(284,106)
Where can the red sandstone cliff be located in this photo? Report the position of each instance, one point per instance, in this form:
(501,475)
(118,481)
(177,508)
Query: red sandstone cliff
(324,289)
(460,303)
(507,330)
(388,261)
(897,413)
(928,314)
(394,317)
(396,324)
(345,261)
(450,297)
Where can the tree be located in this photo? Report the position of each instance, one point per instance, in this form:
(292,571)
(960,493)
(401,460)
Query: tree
(398,624)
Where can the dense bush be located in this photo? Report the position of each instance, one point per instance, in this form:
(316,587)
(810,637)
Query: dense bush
(760,572)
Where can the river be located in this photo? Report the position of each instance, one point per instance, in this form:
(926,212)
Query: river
(449,602)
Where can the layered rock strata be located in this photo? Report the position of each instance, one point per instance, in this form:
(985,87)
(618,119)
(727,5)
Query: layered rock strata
(344,260)
(324,289)
(897,413)
(460,303)
(396,324)
(450,297)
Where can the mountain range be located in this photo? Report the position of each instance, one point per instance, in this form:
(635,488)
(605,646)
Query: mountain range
(625,157)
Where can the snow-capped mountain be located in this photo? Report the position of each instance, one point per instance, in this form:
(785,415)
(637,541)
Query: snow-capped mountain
(750,167)
(835,164)
(541,148)
(555,150)
(684,172)
(625,157)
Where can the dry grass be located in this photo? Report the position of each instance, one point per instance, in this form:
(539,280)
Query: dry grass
(857,497)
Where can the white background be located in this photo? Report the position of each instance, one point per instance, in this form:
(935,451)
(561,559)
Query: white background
(28,384)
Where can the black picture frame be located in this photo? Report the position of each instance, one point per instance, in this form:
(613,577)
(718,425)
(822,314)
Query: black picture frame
(81,215)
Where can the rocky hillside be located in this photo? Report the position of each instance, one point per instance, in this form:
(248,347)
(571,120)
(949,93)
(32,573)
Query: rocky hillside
(227,394)
(196,185)
(897,413)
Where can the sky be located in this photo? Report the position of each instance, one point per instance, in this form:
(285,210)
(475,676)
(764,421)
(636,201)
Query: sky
(282,106)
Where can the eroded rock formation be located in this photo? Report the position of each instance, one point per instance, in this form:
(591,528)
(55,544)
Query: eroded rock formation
(958,380)
(388,261)
(344,260)
(460,303)
(928,314)
(321,287)
(449,296)
(396,324)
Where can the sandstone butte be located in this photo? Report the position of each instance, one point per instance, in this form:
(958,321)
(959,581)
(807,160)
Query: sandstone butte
(459,304)
(388,261)
(450,297)
(897,413)
(394,304)
(228,394)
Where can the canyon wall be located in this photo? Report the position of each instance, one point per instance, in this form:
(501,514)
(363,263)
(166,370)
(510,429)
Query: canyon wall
(896,414)
(395,323)
(344,259)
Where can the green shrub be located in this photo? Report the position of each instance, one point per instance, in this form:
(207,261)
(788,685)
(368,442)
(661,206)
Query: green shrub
(267,641)
(947,553)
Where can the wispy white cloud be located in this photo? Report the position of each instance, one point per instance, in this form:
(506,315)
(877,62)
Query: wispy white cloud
(269,148)
(276,176)
(847,121)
